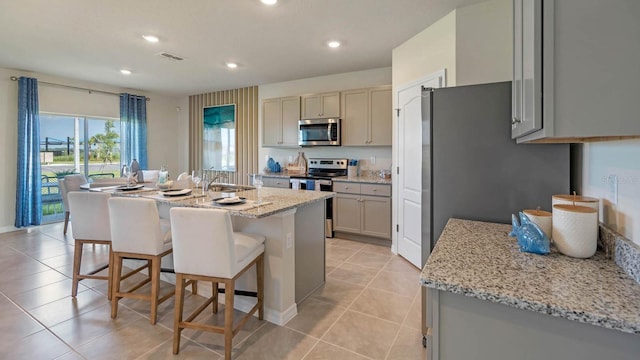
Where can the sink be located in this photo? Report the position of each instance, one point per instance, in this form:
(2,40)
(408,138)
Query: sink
(219,187)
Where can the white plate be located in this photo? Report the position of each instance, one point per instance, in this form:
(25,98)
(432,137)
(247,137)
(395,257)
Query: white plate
(230,200)
(175,192)
(132,187)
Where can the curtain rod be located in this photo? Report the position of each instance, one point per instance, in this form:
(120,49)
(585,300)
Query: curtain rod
(14,78)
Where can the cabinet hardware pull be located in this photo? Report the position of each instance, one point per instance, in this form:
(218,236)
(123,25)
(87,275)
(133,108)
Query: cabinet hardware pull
(515,120)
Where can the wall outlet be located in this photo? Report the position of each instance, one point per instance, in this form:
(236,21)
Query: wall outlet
(372,160)
(289,240)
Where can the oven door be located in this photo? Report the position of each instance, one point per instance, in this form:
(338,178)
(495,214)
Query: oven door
(321,185)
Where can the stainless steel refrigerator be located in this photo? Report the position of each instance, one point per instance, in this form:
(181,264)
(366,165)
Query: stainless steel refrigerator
(472,169)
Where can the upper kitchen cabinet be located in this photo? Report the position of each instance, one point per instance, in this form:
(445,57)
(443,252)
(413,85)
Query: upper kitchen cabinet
(325,105)
(280,121)
(575,70)
(366,117)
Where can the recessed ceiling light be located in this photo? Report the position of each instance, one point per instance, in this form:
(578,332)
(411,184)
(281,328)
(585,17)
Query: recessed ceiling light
(269,2)
(231,65)
(151,38)
(333,44)
(125,72)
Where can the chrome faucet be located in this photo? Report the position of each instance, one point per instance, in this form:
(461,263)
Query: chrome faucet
(217,177)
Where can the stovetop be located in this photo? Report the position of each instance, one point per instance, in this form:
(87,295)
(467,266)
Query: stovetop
(324,168)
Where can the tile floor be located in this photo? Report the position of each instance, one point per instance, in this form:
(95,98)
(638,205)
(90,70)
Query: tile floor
(369,308)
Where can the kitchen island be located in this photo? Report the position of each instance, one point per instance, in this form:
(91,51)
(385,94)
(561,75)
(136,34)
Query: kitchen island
(488,300)
(292,222)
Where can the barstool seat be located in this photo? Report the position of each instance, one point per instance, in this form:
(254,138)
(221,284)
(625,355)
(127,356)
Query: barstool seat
(91,226)
(137,232)
(207,249)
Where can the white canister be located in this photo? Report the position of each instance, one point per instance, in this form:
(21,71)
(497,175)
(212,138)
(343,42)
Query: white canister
(352,171)
(541,218)
(575,230)
(576,200)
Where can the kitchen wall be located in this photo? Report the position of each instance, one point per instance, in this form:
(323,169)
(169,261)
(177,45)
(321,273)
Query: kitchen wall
(335,82)
(167,127)
(472,43)
(620,158)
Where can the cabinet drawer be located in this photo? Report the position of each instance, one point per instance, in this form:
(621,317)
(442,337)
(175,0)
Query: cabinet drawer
(276,182)
(346,187)
(372,189)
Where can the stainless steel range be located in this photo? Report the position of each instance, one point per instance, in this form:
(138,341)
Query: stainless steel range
(318,178)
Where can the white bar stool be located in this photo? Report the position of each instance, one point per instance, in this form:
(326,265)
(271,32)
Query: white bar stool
(91,226)
(206,248)
(138,233)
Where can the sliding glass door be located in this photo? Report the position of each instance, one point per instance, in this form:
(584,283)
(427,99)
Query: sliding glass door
(75,145)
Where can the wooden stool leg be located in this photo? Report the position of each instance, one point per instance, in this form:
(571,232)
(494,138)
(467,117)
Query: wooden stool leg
(66,222)
(155,288)
(77,258)
(260,285)
(177,313)
(110,275)
(194,287)
(229,287)
(214,293)
(117,274)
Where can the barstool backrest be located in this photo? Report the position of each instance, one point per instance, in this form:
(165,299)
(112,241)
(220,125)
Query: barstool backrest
(203,242)
(90,215)
(68,184)
(135,226)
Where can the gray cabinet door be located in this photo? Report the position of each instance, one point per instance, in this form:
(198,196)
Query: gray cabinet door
(272,122)
(380,116)
(355,124)
(376,216)
(346,213)
(290,117)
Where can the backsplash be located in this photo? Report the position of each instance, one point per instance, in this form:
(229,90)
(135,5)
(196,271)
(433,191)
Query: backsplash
(623,251)
(369,158)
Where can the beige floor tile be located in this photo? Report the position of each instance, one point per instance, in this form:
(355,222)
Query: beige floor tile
(315,317)
(384,305)
(16,285)
(369,259)
(93,324)
(20,264)
(324,351)
(348,330)
(191,302)
(215,341)
(339,252)
(71,355)
(414,317)
(128,342)
(41,345)
(400,264)
(188,350)
(15,324)
(399,283)
(337,292)
(45,294)
(377,249)
(352,273)
(64,309)
(408,345)
(331,264)
(345,243)
(274,342)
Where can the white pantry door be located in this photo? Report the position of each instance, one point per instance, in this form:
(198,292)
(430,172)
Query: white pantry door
(408,202)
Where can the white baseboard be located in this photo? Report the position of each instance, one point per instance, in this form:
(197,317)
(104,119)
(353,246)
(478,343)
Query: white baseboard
(5,229)
(246,303)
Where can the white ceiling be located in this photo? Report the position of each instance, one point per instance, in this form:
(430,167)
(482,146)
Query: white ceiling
(92,40)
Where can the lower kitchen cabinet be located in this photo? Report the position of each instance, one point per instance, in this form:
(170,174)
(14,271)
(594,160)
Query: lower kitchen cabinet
(277,182)
(362,209)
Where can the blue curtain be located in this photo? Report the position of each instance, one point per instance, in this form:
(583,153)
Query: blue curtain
(28,185)
(133,129)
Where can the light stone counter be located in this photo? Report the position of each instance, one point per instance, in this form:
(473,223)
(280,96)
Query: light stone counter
(485,299)
(480,260)
(372,179)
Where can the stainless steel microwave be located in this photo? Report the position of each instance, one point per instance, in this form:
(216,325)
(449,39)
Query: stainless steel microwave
(319,132)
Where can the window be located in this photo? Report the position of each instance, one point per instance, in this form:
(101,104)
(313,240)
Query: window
(219,138)
(75,144)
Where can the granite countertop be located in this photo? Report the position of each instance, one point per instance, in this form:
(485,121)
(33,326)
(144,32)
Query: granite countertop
(373,179)
(480,260)
(276,200)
